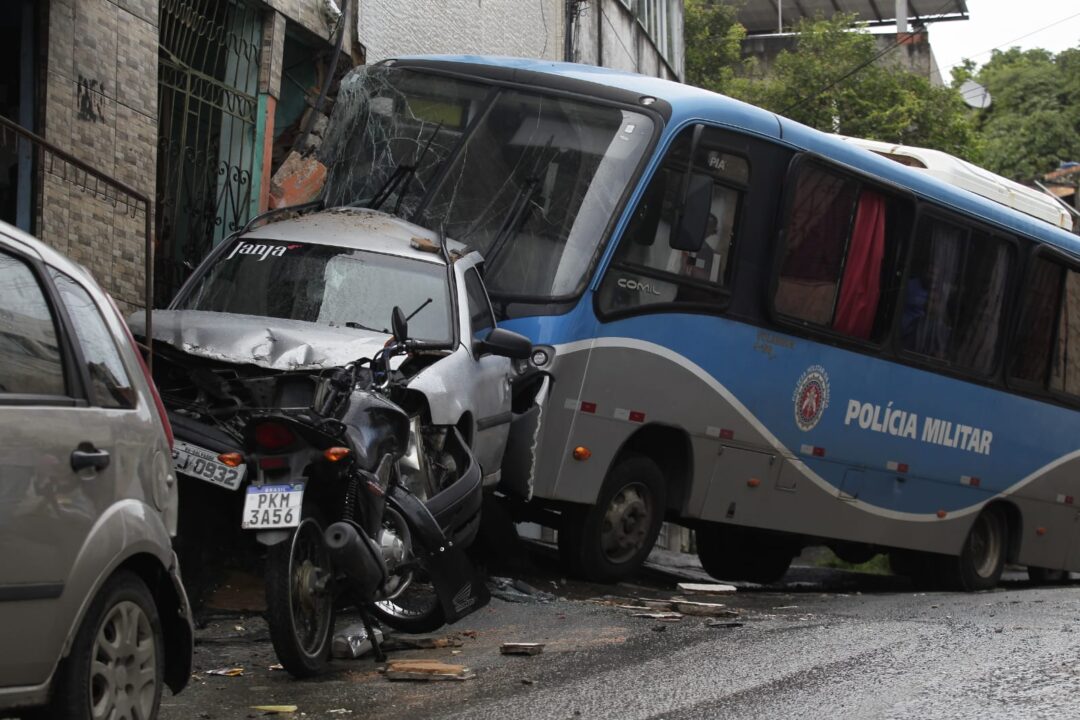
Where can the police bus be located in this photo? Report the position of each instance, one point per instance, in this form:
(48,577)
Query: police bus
(743,325)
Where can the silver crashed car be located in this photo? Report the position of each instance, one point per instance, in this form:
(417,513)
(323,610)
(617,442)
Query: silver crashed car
(94,621)
(275,308)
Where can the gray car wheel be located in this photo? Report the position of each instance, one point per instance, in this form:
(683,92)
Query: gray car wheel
(116,667)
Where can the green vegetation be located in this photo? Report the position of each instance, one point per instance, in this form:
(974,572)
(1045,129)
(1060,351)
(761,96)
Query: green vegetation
(833,80)
(877,565)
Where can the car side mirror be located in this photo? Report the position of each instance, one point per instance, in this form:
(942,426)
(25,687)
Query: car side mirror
(399,324)
(504,343)
(694,218)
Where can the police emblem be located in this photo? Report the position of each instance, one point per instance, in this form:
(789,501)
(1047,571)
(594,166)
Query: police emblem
(811,397)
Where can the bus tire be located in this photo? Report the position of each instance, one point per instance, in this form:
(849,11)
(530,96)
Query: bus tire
(982,559)
(731,554)
(1046,576)
(609,540)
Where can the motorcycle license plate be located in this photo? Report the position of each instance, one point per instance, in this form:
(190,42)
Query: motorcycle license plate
(267,507)
(203,464)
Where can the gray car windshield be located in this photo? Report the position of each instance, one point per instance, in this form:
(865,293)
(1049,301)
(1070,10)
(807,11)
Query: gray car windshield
(529,180)
(325,285)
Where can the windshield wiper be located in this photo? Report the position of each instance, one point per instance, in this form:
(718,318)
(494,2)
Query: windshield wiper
(402,175)
(519,206)
(352,324)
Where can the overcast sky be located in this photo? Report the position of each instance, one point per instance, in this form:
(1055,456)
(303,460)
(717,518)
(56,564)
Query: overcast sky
(1050,24)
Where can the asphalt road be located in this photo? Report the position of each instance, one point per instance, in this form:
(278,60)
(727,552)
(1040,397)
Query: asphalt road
(826,644)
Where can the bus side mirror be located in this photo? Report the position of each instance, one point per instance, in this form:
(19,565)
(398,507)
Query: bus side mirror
(694,218)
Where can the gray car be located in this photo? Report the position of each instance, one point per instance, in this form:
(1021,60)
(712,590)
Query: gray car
(94,621)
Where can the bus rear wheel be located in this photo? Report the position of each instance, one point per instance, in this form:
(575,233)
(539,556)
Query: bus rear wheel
(982,559)
(609,541)
(729,553)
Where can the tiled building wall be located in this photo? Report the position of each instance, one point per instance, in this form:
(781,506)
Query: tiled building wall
(497,27)
(101,105)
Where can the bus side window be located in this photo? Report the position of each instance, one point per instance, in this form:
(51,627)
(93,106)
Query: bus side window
(954,295)
(1046,353)
(1065,365)
(840,254)
(1040,300)
(646,270)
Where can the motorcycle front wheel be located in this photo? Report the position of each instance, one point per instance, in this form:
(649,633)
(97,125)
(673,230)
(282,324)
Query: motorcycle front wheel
(417,608)
(300,600)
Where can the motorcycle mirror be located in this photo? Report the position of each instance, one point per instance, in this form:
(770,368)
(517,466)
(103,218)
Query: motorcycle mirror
(399,324)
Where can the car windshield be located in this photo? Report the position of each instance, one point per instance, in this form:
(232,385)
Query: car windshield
(325,285)
(530,180)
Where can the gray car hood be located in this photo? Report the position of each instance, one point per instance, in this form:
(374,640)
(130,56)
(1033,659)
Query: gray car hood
(266,342)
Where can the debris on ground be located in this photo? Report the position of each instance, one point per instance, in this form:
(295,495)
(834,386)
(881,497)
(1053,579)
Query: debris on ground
(276,666)
(517,591)
(665,616)
(422,642)
(275,709)
(520,648)
(426,670)
(339,711)
(528,681)
(718,624)
(711,588)
(702,609)
(227,672)
(353,642)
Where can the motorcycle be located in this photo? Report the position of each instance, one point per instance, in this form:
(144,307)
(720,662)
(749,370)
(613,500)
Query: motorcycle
(360,503)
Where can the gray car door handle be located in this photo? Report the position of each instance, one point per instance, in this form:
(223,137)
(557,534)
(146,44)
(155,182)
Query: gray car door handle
(88,456)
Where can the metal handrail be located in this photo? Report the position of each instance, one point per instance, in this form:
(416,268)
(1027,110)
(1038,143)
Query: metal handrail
(132,202)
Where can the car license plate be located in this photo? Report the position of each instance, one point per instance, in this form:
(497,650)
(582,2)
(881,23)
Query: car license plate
(272,506)
(203,464)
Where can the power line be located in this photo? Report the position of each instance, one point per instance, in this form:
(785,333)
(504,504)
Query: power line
(1017,39)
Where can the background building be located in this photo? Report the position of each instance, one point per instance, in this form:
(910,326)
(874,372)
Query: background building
(195,103)
(769,26)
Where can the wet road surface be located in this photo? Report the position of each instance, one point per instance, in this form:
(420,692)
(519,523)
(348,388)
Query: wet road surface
(825,644)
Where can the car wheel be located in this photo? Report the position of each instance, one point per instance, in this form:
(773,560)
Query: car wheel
(116,666)
(608,541)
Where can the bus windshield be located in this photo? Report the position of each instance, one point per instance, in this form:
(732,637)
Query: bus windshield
(529,180)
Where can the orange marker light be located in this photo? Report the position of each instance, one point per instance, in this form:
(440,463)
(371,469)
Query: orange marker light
(582,453)
(232,459)
(753,482)
(941,513)
(333,454)
(1040,531)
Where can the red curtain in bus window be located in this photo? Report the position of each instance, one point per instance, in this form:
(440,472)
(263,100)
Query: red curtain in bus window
(860,288)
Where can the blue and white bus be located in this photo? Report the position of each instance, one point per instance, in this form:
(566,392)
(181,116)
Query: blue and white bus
(743,325)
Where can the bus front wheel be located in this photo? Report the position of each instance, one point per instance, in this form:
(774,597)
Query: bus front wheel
(609,540)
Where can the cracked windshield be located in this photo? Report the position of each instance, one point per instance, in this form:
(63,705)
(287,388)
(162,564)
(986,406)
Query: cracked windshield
(529,180)
(326,285)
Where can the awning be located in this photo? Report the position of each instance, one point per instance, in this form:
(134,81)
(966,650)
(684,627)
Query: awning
(762,16)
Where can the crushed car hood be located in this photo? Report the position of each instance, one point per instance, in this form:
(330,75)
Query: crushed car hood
(266,342)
